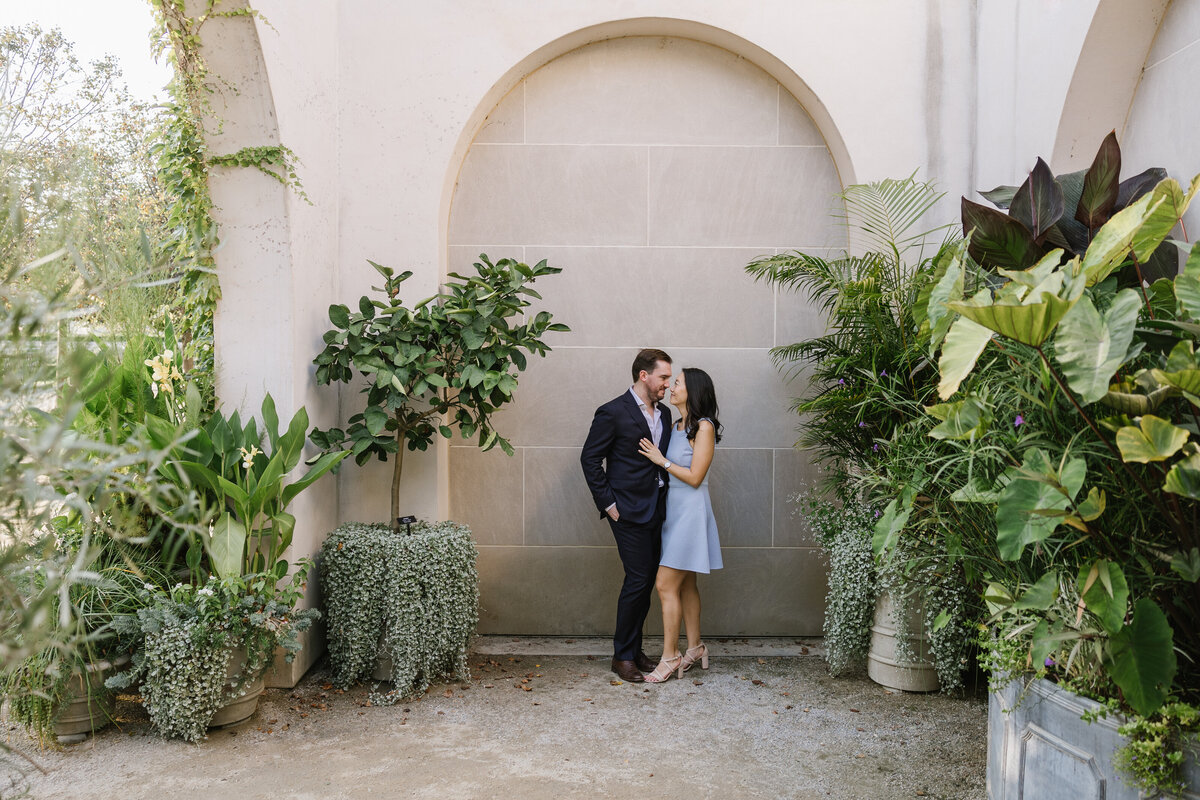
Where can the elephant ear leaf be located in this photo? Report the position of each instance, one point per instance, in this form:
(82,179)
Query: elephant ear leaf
(1100,185)
(964,344)
(1153,439)
(1035,489)
(1091,347)
(1038,203)
(1112,243)
(1143,658)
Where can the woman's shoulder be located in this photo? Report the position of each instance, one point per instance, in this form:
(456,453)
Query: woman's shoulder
(705,422)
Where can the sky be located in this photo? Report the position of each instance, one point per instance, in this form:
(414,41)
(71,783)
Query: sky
(98,28)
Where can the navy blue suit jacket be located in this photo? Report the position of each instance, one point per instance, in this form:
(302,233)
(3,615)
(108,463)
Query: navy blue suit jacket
(628,478)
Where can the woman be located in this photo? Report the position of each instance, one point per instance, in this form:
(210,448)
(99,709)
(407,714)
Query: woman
(689,534)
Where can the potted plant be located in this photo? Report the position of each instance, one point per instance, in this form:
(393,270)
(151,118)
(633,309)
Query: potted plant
(865,422)
(204,647)
(1096,589)
(450,361)
(238,602)
(112,540)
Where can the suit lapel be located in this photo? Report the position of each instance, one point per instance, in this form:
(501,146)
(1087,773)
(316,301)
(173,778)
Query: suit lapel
(636,412)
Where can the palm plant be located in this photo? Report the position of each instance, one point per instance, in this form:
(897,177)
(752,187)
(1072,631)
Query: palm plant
(876,341)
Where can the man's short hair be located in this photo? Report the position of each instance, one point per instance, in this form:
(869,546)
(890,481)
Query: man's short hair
(646,360)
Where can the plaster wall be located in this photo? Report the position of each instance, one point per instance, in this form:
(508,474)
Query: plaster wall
(1165,112)
(382,102)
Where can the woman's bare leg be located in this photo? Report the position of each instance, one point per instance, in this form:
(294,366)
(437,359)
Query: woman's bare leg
(690,599)
(668,582)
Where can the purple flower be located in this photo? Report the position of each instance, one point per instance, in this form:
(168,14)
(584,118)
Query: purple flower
(1049,661)
(877,513)
(841,381)
(883,374)
(862,424)
(875,447)
(1019,421)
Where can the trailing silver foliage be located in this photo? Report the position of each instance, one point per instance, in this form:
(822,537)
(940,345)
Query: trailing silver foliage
(413,598)
(845,531)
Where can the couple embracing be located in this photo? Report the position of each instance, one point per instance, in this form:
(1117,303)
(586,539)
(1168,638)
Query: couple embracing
(649,477)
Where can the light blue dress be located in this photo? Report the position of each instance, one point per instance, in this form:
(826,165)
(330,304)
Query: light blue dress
(689,533)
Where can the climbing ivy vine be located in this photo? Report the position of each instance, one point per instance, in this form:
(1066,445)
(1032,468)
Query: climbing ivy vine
(184,162)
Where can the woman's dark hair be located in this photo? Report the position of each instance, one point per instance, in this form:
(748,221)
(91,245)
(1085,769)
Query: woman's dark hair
(701,401)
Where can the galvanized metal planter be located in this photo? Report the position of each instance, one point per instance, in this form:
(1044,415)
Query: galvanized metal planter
(1038,747)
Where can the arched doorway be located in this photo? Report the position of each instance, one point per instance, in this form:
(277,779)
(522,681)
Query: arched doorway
(651,169)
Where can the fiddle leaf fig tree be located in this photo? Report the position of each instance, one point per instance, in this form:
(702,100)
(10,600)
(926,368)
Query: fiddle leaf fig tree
(451,359)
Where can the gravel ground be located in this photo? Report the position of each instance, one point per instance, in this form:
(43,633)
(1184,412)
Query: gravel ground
(763,722)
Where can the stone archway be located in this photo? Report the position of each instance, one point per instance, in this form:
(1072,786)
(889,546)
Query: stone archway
(652,169)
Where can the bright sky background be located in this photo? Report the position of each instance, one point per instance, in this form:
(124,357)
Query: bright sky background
(98,28)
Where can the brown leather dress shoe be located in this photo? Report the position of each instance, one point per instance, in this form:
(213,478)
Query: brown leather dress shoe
(627,671)
(643,662)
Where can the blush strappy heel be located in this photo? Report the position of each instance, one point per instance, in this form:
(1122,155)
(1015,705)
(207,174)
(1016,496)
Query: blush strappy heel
(692,655)
(662,673)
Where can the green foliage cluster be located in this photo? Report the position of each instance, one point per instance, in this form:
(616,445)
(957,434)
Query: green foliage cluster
(245,485)
(184,164)
(1156,748)
(844,529)
(412,598)
(453,357)
(191,634)
(864,417)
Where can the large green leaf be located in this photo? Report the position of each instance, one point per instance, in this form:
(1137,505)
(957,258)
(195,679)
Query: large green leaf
(1169,203)
(1091,347)
(1100,184)
(1041,595)
(1143,658)
(1184,477)
(1112,243)
(1153,439)
(1034,488)
(226,545)
(1029,323)
(892,521)
(964,344)
(965,419)
(1187,284)
(324,463)
(949,286)
(997,239)
(1104,592)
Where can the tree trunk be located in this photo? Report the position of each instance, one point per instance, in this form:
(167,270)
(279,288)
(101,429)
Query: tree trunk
(397,470)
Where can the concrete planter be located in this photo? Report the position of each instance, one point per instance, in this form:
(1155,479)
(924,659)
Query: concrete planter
(883,661)
(1041,748)
(241,703)
(89,705)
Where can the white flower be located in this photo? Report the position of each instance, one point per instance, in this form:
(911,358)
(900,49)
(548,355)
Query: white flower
(248,457)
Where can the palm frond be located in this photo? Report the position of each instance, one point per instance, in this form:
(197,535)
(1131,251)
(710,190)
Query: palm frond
(880,215)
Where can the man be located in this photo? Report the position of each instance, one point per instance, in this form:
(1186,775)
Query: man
(631,492)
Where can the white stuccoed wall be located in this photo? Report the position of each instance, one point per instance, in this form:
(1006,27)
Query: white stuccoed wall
(381,100)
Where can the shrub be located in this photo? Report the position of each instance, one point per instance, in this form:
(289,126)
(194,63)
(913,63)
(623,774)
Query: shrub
(411,597)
